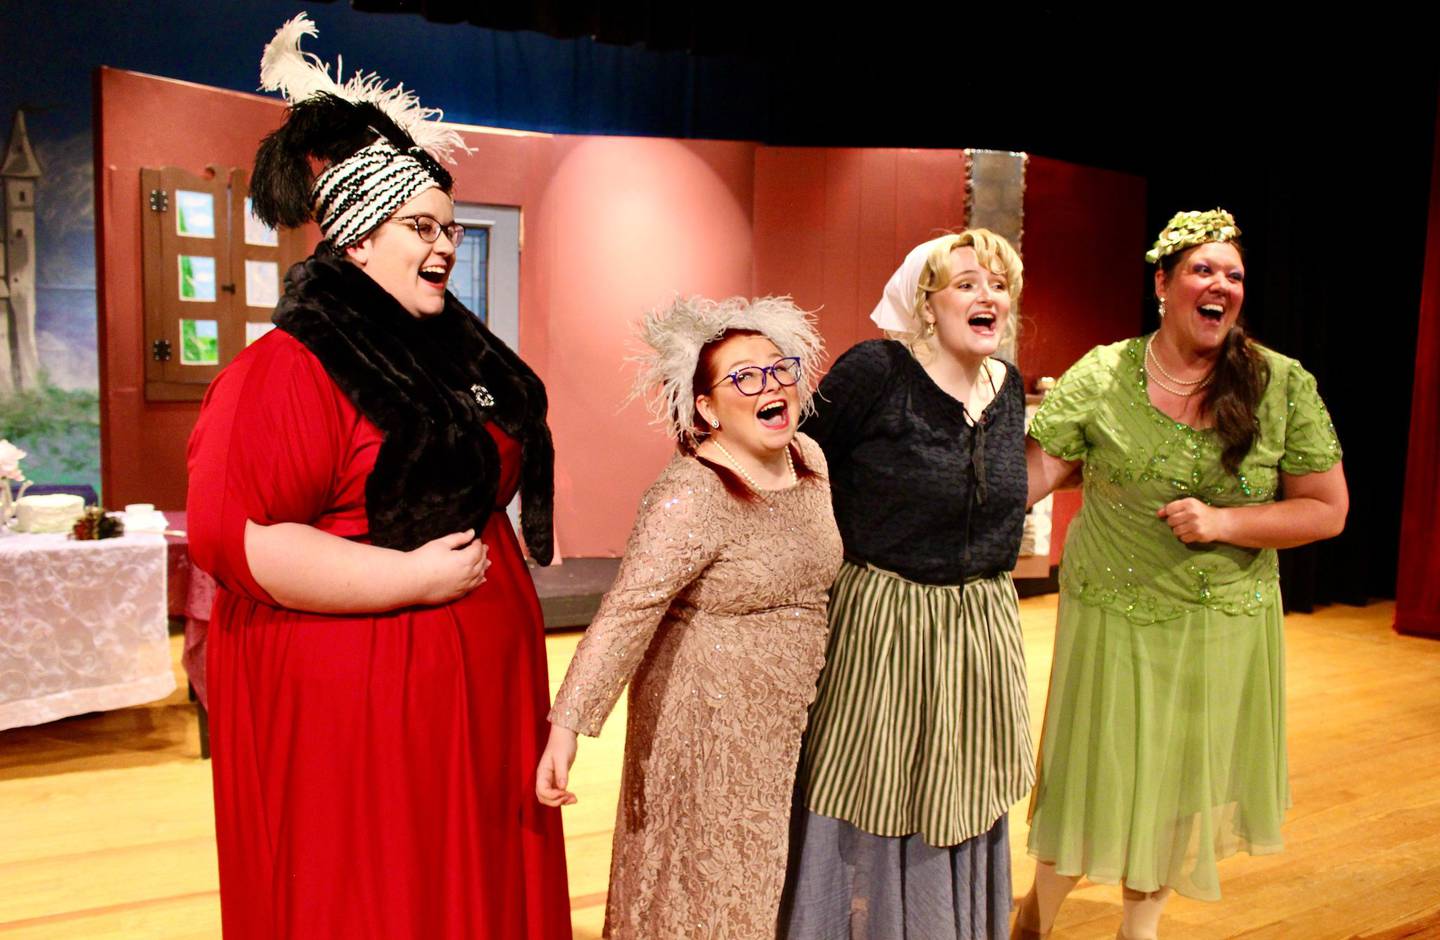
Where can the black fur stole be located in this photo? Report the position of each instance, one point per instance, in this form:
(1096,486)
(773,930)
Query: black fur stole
(438,470)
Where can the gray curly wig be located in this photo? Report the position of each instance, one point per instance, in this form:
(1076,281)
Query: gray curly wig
(677,333)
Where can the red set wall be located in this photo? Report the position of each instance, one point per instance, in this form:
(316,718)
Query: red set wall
(611,228)
(831,225)
(142,121)
(1085,269)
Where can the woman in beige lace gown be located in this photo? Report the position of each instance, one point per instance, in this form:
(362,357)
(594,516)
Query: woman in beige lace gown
(717,621)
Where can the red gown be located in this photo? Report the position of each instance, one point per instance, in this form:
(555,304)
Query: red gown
(374,775)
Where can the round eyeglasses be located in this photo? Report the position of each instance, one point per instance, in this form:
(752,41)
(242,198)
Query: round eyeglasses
(752,380)
(429,228)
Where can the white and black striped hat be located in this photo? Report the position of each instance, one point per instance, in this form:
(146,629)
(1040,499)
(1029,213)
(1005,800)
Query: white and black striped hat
(355,195)
(381,146)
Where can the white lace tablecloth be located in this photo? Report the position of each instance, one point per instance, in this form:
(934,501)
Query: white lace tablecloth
(82,626)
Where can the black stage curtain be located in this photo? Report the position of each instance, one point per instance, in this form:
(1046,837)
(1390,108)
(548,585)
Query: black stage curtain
(1334,233)
(658,25)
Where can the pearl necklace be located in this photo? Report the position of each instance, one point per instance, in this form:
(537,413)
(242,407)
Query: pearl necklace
(789,465)
(1199,384)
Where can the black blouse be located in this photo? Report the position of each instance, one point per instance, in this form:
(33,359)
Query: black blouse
(905,466)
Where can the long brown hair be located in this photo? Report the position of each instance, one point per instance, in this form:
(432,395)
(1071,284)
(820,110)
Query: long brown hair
(1239,380)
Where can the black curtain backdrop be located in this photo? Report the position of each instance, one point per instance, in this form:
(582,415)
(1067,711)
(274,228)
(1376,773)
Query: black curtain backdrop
(663,26)
(1334,235)
(1317,135)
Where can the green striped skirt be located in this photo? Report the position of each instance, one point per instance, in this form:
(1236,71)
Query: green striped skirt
(920,723)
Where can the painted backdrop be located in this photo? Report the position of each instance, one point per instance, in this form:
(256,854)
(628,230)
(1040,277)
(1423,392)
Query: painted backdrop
(49,379)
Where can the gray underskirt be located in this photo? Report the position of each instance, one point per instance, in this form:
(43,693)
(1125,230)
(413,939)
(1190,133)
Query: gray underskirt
(845,884)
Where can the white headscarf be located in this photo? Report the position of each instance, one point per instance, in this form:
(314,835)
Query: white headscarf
(895,313)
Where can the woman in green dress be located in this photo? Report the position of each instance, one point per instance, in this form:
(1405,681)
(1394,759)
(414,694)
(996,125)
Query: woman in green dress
(1163,749)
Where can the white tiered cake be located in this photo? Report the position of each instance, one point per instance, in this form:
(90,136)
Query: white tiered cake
(53,512)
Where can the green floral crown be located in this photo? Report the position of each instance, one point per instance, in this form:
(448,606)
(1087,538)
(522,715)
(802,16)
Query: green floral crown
(1188,229)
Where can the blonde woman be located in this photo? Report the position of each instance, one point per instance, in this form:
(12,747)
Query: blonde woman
(919,740)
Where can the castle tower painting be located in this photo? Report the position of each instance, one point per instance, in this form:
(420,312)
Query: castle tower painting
(49,395)
(19,355)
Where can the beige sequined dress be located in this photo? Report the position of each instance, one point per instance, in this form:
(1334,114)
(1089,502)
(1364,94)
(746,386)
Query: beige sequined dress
(717,620)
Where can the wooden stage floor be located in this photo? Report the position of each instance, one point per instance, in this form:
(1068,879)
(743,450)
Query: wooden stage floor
(106,828)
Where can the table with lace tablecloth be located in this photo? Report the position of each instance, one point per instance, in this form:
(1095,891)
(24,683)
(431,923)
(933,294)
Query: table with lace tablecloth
(83,626)
(192,594)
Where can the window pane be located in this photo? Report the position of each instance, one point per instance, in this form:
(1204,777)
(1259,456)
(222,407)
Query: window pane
(197,278)
(194,214)
(254,331)
(262,283)
(257,232)
(199,342)
(469,281)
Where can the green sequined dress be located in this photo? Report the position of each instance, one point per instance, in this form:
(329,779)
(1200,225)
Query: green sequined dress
(1163,747)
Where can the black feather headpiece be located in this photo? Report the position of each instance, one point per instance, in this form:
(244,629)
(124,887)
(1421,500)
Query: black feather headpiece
(329,122)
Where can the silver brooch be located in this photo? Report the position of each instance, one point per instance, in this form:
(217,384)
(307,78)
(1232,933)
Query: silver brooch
(482,396)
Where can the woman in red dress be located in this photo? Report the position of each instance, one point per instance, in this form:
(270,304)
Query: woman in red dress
(377,674)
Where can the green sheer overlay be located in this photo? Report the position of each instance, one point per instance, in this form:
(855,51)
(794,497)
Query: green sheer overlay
(1163,749)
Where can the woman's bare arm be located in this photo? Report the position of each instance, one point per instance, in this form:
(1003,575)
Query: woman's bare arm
(1045,472)
(304,568)
(1312,506)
